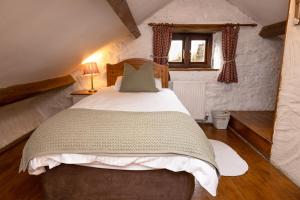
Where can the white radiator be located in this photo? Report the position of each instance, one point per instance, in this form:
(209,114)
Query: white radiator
(192,95)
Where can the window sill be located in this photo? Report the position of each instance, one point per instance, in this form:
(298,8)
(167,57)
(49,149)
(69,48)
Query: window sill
(192,69)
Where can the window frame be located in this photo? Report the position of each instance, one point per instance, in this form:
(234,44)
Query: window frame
(186,48)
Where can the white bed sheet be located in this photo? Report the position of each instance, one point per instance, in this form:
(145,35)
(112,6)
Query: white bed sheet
(109,99)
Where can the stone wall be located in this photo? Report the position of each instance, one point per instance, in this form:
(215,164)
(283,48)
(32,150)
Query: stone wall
(257,58)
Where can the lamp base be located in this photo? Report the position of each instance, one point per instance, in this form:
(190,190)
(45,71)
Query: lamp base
(92,91)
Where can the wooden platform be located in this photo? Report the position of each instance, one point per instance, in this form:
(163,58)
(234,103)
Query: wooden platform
(256,127)
(262,181)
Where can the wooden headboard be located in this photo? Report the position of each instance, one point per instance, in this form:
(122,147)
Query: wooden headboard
(115,70)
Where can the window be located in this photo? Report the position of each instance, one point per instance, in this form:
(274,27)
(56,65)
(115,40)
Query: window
(190,50)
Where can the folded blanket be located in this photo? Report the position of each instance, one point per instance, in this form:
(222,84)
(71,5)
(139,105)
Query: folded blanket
(85,131)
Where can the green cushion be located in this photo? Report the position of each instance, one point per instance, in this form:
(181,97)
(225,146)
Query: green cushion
(138,80)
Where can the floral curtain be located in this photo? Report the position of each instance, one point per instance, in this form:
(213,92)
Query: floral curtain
(229,44)
(162,37)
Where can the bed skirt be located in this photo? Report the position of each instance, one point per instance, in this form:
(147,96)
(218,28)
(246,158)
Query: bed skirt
(77,182)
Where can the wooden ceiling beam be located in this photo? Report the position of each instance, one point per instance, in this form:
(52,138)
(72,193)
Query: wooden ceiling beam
(122,9)
(19,92)
(273,30)
(201,28)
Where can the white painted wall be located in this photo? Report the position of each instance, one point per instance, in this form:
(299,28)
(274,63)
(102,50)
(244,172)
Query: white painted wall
(257,58)
(286,140)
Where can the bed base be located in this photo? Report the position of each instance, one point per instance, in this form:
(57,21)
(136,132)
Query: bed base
(77,182)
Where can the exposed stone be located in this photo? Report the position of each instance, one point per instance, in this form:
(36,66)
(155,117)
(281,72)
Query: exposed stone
(258,59)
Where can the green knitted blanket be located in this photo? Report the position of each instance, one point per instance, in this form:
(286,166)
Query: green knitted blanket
(85,131)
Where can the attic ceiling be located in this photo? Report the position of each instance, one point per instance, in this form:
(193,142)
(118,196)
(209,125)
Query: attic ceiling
(142,9)
(42,39)
(265,12)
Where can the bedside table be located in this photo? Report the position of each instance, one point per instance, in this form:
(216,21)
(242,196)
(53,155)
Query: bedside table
(80,94)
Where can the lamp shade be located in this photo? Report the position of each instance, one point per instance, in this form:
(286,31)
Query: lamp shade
(90,68)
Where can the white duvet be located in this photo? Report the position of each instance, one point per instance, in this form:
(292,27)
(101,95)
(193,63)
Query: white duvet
(109,99)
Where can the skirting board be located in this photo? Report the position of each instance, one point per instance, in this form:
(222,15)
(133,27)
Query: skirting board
(15,142)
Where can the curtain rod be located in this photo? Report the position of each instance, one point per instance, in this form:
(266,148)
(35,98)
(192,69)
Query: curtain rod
(205,25)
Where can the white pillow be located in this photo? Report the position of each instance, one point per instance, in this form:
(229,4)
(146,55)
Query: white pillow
(118,83)
(158,84)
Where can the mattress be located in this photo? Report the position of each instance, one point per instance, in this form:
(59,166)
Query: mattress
(110,99)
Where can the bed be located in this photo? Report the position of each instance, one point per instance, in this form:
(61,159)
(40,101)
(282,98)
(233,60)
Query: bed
(123,175)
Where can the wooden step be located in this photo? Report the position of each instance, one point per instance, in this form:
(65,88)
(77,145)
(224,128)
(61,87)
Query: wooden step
(256,127)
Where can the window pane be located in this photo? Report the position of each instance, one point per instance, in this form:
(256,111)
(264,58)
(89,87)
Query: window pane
(198,50)
(175,53)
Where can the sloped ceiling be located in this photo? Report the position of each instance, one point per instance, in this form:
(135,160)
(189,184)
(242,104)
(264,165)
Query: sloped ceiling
(265,12)
(142,9)
(42,39)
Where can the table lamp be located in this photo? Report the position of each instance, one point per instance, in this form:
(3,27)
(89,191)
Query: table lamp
(91,69)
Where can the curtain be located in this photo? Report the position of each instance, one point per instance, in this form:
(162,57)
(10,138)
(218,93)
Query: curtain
(162,37)
(229,44)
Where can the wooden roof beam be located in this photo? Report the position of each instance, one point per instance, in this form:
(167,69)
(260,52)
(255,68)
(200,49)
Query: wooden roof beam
(201,28)
(19,92)
(122,9)
(273,30)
